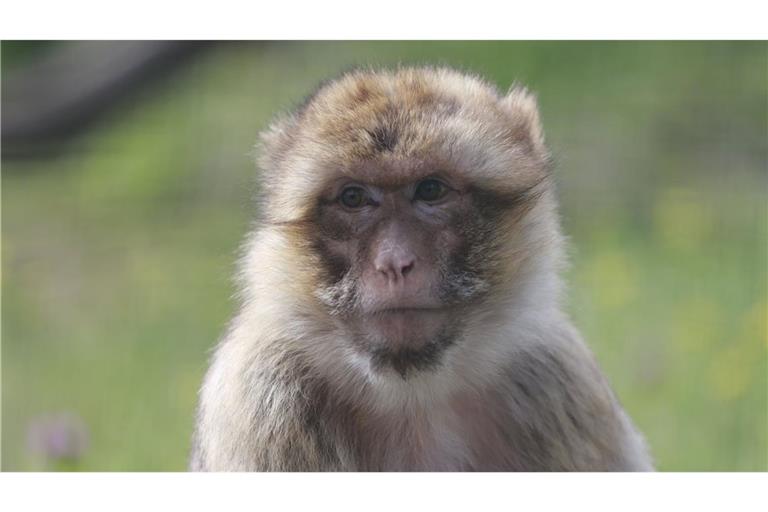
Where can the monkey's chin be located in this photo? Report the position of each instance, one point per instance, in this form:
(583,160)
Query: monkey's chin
(405,341)
(401,330)
(407,328)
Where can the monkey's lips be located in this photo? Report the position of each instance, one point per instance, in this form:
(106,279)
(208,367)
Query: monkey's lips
(410,327)
(405,314)
(406,310)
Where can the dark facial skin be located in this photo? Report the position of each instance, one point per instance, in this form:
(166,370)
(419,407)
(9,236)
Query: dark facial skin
(398,265)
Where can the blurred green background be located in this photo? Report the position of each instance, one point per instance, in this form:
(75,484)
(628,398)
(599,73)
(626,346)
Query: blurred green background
(118,249)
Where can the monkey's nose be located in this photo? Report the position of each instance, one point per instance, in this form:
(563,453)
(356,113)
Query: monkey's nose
(394,264)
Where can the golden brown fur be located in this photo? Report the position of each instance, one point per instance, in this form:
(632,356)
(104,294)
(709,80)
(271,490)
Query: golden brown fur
(516,390)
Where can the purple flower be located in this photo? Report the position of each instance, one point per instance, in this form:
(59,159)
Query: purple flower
(58,437)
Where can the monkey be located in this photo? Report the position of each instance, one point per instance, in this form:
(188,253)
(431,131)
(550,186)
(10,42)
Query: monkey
(400,296)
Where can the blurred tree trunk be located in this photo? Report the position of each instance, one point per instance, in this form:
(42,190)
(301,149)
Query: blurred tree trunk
(57,94)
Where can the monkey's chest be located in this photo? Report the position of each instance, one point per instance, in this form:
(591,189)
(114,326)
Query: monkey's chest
(417,448)
(442,440)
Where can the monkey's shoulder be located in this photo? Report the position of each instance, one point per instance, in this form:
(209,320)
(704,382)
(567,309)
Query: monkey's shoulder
(560,413)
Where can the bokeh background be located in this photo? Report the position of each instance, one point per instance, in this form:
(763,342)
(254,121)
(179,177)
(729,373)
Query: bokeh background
(127,186)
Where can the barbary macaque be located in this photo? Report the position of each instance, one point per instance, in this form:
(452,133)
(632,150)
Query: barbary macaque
(400,298)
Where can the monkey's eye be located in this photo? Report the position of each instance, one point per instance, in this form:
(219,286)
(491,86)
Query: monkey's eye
(353,197)
(430,190)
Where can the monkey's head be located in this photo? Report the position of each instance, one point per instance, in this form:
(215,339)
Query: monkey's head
(416,196)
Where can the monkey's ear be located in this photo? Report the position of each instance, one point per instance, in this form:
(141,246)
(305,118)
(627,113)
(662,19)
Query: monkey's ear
(274,142)
(523,109)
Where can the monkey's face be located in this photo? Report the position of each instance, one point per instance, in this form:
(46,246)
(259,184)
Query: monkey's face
(408,188)
(400,259)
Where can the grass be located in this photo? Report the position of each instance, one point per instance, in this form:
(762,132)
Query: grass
(117,254)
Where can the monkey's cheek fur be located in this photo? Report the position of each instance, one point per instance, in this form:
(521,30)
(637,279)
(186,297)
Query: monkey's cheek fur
(402,329)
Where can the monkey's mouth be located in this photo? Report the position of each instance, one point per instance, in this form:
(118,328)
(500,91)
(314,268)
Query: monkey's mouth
(405,338)
(404,305)
(412,320)
(406,310)
(403,327)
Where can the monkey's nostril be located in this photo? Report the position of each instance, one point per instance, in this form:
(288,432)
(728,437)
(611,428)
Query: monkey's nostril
(393,265)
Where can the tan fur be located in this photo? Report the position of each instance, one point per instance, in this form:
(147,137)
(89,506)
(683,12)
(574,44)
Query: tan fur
(520,391)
